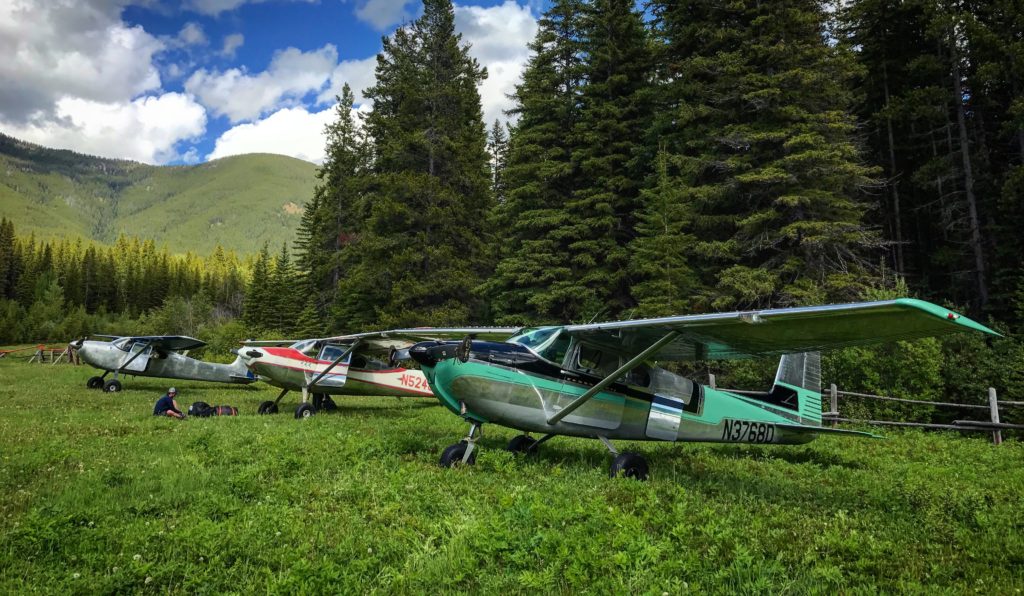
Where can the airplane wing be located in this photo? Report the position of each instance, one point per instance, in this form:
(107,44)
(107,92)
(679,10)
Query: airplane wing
(171,343)
(722,336)
(404,338)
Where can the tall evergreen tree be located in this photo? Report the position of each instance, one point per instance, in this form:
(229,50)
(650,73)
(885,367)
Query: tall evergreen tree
(258,295)
(333,218)
(532,281)
(764,139)
(422,254)
(615,113)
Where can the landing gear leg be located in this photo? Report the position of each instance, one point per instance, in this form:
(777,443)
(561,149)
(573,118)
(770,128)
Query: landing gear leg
(626,464)
(463,452)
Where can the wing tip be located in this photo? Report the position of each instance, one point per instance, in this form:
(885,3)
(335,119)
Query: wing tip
(947,314)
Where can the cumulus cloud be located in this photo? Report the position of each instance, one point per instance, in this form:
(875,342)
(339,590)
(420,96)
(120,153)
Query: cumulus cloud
(499,36)
(192,35)
(384,13)
(146,129)
(70,48)
(289,131)
(359,74)
(215,7)
(231,44)
(240,96)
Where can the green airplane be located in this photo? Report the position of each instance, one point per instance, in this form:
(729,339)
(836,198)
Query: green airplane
(597,380)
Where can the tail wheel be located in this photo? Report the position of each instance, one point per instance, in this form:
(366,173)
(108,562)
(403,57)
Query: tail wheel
(453,455)
(629,465)
(305,411)
(94,383)
(267,407)
(112,386)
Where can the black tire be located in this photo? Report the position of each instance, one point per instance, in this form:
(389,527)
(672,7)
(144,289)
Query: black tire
(629,465)
(305,411)
(452,456)
(112,386)
(94,383)
(521,444)
(267,407)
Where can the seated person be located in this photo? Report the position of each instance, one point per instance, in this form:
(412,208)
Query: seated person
(166,406)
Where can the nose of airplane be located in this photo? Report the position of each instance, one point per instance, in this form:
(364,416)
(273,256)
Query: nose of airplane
(429,353)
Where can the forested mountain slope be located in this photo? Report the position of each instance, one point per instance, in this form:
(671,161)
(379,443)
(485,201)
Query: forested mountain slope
(240,202)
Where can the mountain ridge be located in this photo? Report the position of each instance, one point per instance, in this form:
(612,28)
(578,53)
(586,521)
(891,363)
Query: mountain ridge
(239,201)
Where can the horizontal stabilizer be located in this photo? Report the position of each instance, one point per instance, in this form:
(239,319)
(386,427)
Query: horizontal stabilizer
(821,430)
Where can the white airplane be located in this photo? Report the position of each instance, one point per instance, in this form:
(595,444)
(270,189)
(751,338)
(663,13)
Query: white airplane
(161,356)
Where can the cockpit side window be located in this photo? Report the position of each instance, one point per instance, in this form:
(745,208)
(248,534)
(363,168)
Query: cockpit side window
(331,353)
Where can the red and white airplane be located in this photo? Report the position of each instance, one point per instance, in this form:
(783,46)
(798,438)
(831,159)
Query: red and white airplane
(358,364)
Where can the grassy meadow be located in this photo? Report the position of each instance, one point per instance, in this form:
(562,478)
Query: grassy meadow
(96,495)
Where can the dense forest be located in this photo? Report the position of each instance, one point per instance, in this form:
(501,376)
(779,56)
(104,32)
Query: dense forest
(692,156)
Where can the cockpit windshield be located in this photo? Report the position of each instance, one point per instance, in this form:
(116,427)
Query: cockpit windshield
(547,342)
(122,344)
(306,346)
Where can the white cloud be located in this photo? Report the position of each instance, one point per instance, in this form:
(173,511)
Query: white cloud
(146,129)
(231,44)
(215,7)
(192,35)
(384,13)
(289,131)
(499,36)
(359,74)
(70,48)
(240,96)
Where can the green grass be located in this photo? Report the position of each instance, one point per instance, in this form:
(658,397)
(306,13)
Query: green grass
(96,495)
(239,202)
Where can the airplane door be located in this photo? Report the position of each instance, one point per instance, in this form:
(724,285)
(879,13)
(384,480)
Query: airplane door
(338,375)
(603,410)
(139,355)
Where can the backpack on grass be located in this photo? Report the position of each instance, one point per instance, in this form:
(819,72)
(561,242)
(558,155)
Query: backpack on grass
(201,409)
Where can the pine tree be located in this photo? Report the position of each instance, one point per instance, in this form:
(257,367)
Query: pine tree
(423,252)
(497,149)
(664,282)
(614,116)
(256,311)
(529,284)
(333,218)
(764,141)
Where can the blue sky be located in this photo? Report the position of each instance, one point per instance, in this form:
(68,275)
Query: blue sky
(184,82)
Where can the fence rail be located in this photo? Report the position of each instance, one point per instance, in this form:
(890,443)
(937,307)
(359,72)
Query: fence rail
(992,425)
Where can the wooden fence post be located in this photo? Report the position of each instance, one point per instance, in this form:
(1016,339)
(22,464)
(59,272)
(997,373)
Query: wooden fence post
(711,380)
(993,407)
(833,402)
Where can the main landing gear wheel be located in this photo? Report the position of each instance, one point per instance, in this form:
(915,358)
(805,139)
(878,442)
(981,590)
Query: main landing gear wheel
(305,411)
(454,454)
(629,465)
(94,383)
(522,444)
(112,386)
(267,407)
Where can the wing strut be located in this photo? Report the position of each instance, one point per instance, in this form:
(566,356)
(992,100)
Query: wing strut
(625,368)
(337,361)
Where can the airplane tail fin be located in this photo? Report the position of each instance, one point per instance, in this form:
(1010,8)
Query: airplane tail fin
(799,378)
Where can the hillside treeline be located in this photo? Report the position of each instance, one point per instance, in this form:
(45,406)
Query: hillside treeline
(65,289)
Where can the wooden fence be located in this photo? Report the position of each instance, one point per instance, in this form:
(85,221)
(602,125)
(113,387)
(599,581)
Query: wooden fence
(992,425)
